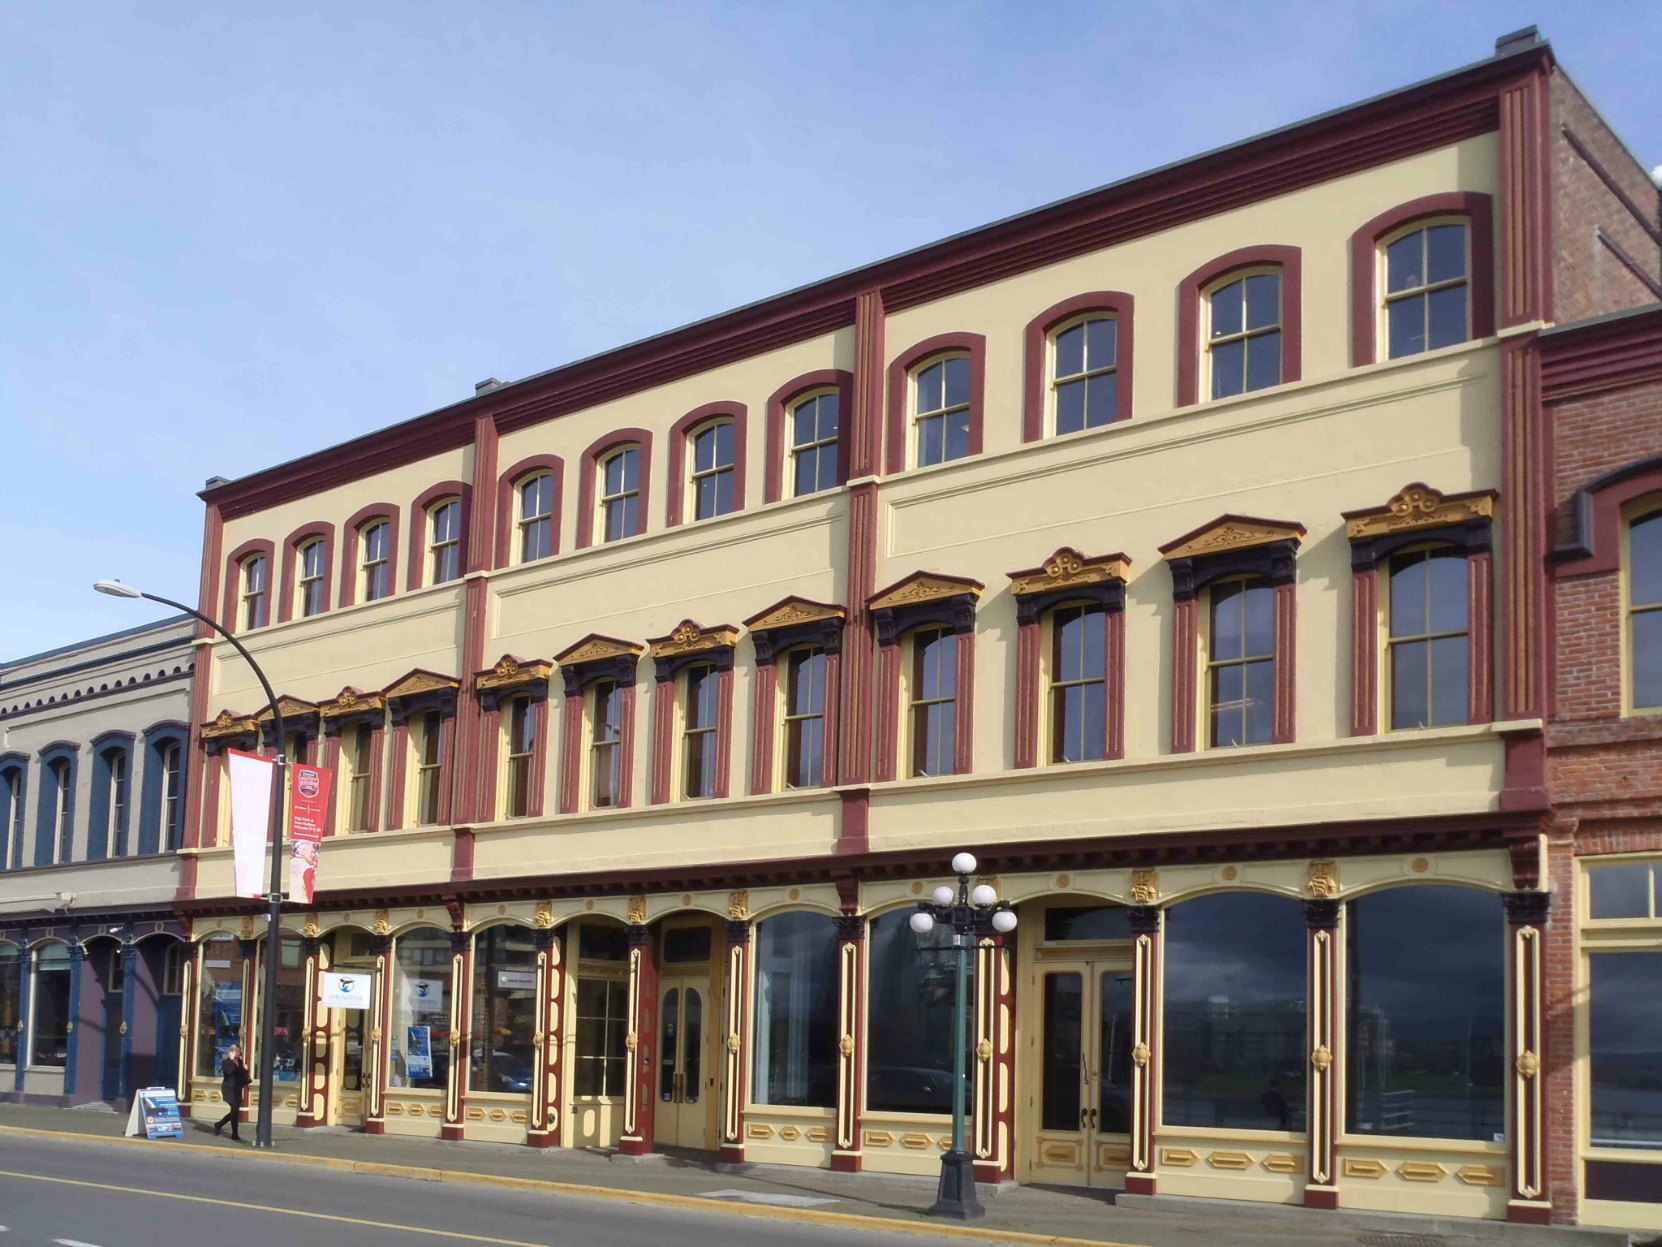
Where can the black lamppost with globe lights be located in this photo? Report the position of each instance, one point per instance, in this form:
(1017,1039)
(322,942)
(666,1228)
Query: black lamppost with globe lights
(968,912)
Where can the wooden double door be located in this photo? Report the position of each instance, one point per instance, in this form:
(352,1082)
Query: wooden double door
(1080,1118)
(686,1081)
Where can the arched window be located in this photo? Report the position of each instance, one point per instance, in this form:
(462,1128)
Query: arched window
(711,474)
(1243,332)
(312,589)
(536,517)
(1429,638)
(504,1010)
(375,543)
(1084,358)
(13,799)
(444,542)
(55,827)
(1426,1044)
(815,423)
(796,1011)
(620,494)
(1234,992)
(421,1010)
(941,411)
(162,795)
(1422,277)
(288,1012)
(1644,611)
(909,1016)
(11,1001)
(256,585)
(1240,662)
(107,825)
(222,972)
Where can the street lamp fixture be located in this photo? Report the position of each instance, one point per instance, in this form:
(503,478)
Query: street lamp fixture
(274,894)
(968,913)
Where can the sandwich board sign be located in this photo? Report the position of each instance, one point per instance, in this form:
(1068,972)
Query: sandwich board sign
(156,1112)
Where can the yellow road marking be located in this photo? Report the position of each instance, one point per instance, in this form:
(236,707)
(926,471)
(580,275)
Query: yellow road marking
(286,1212)
(579,1190)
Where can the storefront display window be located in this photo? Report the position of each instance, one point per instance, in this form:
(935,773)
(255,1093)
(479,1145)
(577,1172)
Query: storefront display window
(910,1022)
(420,1040)
(1235,1048)
(504,1010)
(11,999)
(288,1014)
(1427,1042)
(219,1004)
(49,1013)
(796,1011)
(1624,1021)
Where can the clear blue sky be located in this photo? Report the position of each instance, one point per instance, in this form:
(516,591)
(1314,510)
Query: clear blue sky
(231,234)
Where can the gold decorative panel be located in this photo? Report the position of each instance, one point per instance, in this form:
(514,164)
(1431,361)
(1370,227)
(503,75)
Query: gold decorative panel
(594,648)
(758,1130)
(925,587)
(789,1133)
(1178,1157)
(1229,1160)
(1280,1162)
(499,1114)
(1419,506)
(1478,1175)
(1069,569)
(433,1110)
(1362,1167)
(1421,1171)
(511,672)
(1231,532)
(818,1134)
(690,638)
(1111,1155)
(395,1110)
(915,1141)
(520,1115)
(418,682)
(1060,1153)
(1323,883)
(1145,887)
(476,1114)
(792,611)
(878,1138)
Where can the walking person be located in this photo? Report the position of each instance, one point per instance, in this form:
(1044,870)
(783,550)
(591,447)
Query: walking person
(234,1080)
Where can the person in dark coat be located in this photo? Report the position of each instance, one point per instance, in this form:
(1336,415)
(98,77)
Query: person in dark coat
(234,1080)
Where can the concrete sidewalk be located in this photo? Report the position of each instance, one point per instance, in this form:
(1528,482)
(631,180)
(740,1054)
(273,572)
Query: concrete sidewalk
(1014,1213)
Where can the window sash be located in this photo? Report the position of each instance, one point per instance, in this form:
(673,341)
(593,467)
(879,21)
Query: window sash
(804,719)
(116,830)
(376,545)
(522,731)
(358,780)
(445,549)
(698,742)
(172,805)
(1410,308)
(1246,359)
(429,768)
(314,561)
(620,495)
(814,458)
(253,592)
(941,428)
(63,810)
(934,702)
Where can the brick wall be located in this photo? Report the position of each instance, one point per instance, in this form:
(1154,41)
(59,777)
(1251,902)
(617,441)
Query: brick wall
(1588,278)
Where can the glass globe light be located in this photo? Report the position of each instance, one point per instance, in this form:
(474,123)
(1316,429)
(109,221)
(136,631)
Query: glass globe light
(945,895)
(1004,921)
(964,864)
(922,923)
(984,894)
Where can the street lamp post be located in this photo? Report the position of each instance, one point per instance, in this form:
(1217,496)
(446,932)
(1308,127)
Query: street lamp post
(968,913)
(274,894)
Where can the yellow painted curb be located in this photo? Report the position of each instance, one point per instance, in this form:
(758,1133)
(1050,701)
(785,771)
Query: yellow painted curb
(847,1220)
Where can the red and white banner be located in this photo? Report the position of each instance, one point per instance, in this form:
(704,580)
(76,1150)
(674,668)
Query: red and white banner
(250,777)
(309,798)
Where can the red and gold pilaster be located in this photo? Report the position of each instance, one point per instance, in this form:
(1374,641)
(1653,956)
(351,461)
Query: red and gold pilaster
(994,1107)
(639,1102)
(461,1016)
(851,961)
(314,1039)
(1145,1055)
(1526,917)
(379,1046)
(735,1056)
(1322,919)
(546,1083)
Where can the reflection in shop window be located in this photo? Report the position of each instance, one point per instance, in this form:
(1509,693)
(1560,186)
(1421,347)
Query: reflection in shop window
(219,1004)
(1235,1018)
(1426,1043)
(11,997)
(504,1010)
(796,1011)
(49,1013)
(420,1039)
(602,1028)
(909,1057)
(1624,1019)
(288,1015)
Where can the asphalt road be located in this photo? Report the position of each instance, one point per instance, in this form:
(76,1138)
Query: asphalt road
(71,1194)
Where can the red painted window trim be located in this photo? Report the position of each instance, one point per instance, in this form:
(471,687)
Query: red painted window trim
(1036,389)
(401,767)
(575,740)
(415,573)
(507,521)
(1032,689)
(1192,289)
(231,606)
(291,567)
(617,439)
(1601,544)
(1364,268)
(332,760)
(681,433)
(779,406)
(891,728)
(901,369)
(350,533)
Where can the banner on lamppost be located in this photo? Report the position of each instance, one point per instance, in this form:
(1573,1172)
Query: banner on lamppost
(250,778)
(309,802)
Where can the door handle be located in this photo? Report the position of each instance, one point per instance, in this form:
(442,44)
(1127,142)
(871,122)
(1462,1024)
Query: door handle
(1093,1119)
(1084,1118)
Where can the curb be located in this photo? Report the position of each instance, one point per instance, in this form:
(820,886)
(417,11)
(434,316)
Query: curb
(420,1173)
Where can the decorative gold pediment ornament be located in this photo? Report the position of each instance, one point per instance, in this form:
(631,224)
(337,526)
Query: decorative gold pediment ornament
(738,904)
(352,701)
(791,611)
(925,587)
(1420,506)
(545,915)
(1145,886)
(1232,532)
(637,909)
(382,924)
(247,928)
(311,930)
(292,708)
(595,648)
(420,681)
(229,724)
(511,672)
(1323,881)
(691,638)
(1068,569)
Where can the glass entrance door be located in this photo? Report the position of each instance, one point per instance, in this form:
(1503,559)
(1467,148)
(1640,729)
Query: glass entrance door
(685,1081)
(1082,1112)
(114,993)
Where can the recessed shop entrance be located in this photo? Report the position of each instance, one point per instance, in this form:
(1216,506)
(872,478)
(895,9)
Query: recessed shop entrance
(686,1079)
(1077,1068)
(348,1034)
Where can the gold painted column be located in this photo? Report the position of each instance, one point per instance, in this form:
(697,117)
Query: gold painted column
(993,1109)
(379,1047)
(1322,987)
(735,1048)
(639,1100)
(187,1030)
(851,1041)
(546,1082)
(1526,917)
(314,1039)
(461,1016)
(1145,1054)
